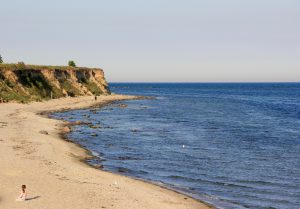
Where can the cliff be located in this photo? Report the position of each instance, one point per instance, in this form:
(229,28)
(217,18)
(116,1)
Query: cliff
(24,83)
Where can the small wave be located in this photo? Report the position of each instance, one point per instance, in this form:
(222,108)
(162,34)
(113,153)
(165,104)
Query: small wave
(182,121)
(266,183)
(181,177)
(95,153)
(123,170)
(127,158)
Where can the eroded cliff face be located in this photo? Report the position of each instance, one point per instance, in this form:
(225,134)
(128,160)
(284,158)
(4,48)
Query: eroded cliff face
(35,83)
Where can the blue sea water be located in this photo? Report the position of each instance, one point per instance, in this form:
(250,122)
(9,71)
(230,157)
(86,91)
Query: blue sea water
(234,145)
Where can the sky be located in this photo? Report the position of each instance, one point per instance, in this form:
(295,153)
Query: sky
(158,40)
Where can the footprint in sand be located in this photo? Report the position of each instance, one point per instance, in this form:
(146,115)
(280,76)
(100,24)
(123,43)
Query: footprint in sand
(3,124)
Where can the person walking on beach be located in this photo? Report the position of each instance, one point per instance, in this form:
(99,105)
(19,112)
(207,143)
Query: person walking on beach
(23,194)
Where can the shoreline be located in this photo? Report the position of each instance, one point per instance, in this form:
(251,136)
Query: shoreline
(90,154)
(55,170)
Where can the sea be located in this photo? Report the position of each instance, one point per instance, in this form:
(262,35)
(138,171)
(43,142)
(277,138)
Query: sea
(232,145)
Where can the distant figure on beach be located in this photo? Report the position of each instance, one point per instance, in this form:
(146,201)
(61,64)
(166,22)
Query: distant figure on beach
(23,194)
(95,98)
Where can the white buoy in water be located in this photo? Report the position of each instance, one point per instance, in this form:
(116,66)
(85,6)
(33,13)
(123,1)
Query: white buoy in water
(183,146)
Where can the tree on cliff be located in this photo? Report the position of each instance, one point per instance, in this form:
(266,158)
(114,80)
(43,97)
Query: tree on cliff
(1,60)
(71,63)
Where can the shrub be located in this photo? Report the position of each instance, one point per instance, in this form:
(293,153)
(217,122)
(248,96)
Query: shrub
(21,66)
(71,63)
(1,60)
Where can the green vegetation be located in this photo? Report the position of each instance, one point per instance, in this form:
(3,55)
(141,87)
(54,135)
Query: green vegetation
(92,87)
(9,91)
(71,63)
(1,60)
(21,66)
(70,89)
(13,66)
(30,87)
(37,85)
(24,83)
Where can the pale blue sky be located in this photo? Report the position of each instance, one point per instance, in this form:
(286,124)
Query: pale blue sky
(158,40)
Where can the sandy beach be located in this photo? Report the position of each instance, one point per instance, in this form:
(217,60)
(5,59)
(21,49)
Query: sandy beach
(32,152)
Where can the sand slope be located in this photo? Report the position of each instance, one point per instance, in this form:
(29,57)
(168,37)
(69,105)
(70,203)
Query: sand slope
(53,173)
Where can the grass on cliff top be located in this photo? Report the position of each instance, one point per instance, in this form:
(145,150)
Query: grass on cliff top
(22,66)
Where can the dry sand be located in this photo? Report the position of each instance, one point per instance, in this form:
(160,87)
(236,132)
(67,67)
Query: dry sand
(53,170)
